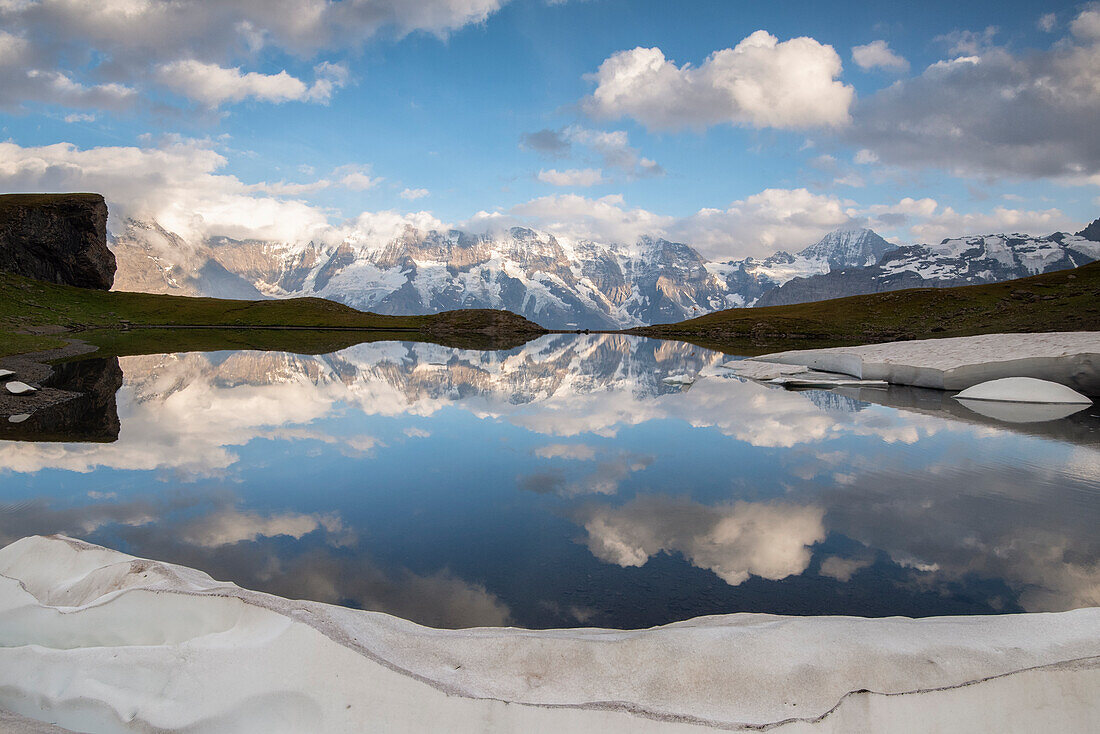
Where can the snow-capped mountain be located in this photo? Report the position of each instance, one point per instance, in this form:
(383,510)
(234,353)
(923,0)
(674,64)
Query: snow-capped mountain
(565,283)
(959,261)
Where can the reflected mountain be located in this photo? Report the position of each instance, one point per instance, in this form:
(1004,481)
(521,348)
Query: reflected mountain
(564,482)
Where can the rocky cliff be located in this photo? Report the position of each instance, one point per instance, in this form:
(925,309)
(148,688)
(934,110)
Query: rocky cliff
(59,238)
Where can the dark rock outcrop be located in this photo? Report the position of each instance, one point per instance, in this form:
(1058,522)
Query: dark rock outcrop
(58,238)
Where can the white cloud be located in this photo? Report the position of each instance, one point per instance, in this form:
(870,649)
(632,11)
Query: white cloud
(179,184)
(197,46)
(988,111)
(934,223)
(1047,22)
(571,177)
(761,82)
(878,55)
(612,147)
(605,219)
(865,157)
(774,219)
(414,194)
(355,178)
(842,569)
(213,85)
(79,117)
(1086,26)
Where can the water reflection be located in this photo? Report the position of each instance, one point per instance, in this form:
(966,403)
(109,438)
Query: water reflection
(565,482)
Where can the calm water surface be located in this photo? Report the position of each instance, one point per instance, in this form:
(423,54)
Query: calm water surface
(565,483)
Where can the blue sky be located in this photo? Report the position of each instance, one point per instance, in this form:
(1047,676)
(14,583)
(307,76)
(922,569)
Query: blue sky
(608,118)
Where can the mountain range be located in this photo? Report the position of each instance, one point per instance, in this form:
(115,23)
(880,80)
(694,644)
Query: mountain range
(563,283)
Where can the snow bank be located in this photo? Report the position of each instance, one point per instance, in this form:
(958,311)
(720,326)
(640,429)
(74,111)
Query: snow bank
(1023,390)
(1071,358)
(754,370)
(100,641)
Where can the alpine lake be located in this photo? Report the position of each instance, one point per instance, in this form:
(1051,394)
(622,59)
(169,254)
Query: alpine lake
(578,480)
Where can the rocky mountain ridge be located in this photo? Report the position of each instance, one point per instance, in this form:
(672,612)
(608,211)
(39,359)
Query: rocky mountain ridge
(567,283)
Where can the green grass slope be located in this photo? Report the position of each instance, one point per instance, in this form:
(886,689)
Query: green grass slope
(30,308)
(1068,300)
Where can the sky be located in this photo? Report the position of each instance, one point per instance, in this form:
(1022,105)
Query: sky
(739,128)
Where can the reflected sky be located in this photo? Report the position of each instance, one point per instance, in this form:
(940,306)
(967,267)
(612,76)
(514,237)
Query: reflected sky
(564,483)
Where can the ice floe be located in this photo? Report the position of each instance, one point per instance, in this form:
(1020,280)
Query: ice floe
(5,374)
(15,387)
(95,640)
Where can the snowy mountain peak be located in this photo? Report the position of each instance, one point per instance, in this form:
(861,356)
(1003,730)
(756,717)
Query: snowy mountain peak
(849,248)
(560,282)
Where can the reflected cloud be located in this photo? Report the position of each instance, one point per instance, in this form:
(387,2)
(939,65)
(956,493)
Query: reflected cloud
(605,478)
(573,452)
(967,522)
(322,562)
(231,525)
(770,540)
(190,413)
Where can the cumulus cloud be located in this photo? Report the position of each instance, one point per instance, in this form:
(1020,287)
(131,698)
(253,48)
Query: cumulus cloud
(927,221)
(194,46)
(414,194)
(878,55)
(611,148)
(605,219)
(761,82)
(179,183)
(770,540)
(213,85)
(578,177)
(760,224)
(987,111)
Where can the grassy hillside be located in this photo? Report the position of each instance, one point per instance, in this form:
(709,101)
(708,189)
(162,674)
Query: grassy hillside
(1067,300)
(28,305)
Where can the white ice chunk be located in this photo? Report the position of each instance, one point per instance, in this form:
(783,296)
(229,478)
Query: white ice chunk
(754,370)
(1023,390)
(5,374)
(19,418)
(15,387)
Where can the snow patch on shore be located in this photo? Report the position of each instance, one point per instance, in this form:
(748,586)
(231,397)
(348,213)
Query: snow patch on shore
(96,640)
(1071,358)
